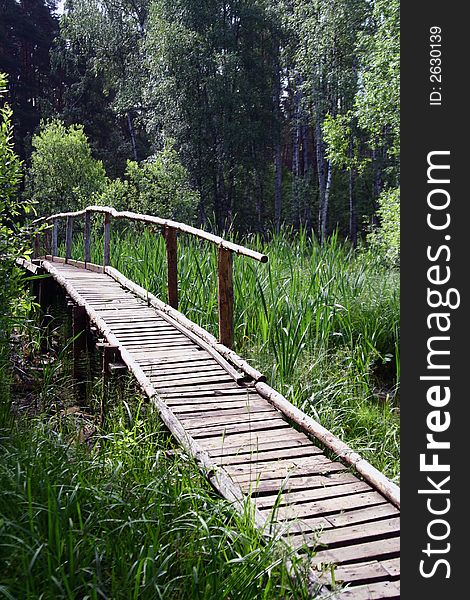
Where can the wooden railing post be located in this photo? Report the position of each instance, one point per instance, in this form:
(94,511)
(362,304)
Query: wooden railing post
(87,237)
(172,264)
(55,227)
(47,241)
(225,296)
(107,240)
(79,325)
(37,245)
(68,238)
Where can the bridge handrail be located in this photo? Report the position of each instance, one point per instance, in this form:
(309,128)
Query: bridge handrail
(167,223)
(170,228)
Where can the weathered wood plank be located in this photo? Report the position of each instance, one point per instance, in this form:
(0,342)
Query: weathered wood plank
(373,591)
(262,455)
(329,505)
(272,486)
(296,498)
(343,536)
(363,515)
(362,573)
(320,468)
(241,417)
(386,548)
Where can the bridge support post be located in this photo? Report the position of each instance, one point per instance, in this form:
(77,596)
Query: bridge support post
(225,296)
(107,240)
(55,227)
(109,357)
(68,238)
(87,237)
(79,325)
(172,264)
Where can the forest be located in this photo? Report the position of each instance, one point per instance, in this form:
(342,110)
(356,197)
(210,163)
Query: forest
(275,125)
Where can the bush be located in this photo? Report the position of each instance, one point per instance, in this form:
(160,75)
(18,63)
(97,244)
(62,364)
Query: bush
(12,237)
(157,186)
(385,240)
(63,175)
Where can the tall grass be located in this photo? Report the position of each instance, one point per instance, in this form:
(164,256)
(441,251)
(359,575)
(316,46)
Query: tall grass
(128,517)
(321,321)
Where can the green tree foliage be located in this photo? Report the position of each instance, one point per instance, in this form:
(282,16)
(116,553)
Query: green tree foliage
(63,174)
(326,59)
(385,240)
(12,236)
(157,186)
(378,100)
(211,83)
(27,31)
(109,37)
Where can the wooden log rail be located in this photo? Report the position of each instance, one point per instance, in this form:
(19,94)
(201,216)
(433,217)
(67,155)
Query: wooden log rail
(170,229)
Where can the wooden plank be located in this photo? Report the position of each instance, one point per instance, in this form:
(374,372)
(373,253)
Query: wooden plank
(392,566)
(363,515)
(241,416)
(140,353)
(172,266)
(225,296)
(273,486)
(262,455)
(320,468)
(240,450)
(188,369)
(343,536)
(196,375)
(222,400)
(219,393)
(219,430)
(150,330)
(286,464)
(298,497)
(228,408)
(225,385)
(375,591)
(387,487)
(257,437)
(367,572)
(324,507)
(197,382)
(387,548)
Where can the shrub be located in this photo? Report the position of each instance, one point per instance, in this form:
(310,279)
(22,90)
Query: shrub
(385,240)
(157,186)
(63,174)
(12,236)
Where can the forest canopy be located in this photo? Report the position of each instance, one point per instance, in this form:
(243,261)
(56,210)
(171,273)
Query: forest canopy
(273,113)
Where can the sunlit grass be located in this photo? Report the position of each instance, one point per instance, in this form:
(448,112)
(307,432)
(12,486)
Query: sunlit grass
(127,518)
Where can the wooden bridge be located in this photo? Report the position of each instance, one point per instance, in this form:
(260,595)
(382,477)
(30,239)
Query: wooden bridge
(302,483)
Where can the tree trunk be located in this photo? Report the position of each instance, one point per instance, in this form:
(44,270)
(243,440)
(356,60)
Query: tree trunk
(325,205)
(352,208)
(277,185)
(322,175)
(130,126)
(277,142)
